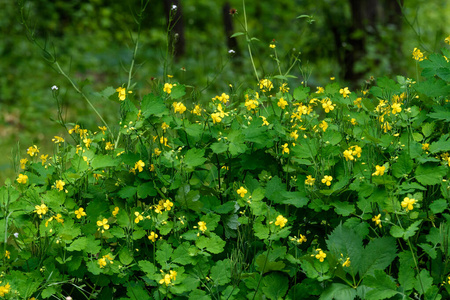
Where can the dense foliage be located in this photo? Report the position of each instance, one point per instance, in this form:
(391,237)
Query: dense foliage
(272,189)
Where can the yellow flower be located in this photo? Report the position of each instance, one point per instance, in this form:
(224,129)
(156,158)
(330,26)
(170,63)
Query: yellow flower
(103,129)
(22,179)
(447,40)
(379,170)
(102,262)
(328,106)
(166,279)
(173,275)
(57,139)
(8,254)
(301,239)
(32,150)
(417,54)
(284,88)
(327,180)
(153,236)
(265,85)
(222,98)
(41,209)
(310,180)
(164,126)
(122,93)
(44,158)
(285,148)
(115,211)
(216,118)
(408,203)
(103,223)
(348,155)
(80,213)
(323,125)
(59,184)
(202,226)
(23,162)
(139,165)
(5,289)
(320,90)
(157,151)
(345,92)
(425,147)
(272,46)
(168,205)
(242,191)
(138,218)
(396,108)
(357,102)
(321,255)
(251,104)
(87,142)
(197,110)
(282,103)
(377,220)
(109,146)
(346,262)
(178,107)
(265,123)
(281,221)
(168,88)
(59,219)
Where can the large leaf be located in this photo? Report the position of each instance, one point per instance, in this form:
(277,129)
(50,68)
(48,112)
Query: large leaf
(430,174)
(378,255)
(153,105)
(383,286)
(194,157)
(403,166)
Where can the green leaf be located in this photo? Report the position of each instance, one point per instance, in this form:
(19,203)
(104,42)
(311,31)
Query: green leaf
(343,208)
(178,91)
(301,92)
(264,265)
(406,270)
(236,34)
(411,230)
(383,286)
(127,192)
(346,241)
(442,145)
(430,250)
(181,254)
(125,257)
(378,255)
(423,280)
(275,285)
(221,272)
(136,291)
(438,206)
(163,253)
(440,114)
(403,166)
(149,269)
(219,147)
(338,291)
(213,244)
(103,161)
(430,174)
(194,157)
(78,244)
(428,129)
(146,189)
(153,105)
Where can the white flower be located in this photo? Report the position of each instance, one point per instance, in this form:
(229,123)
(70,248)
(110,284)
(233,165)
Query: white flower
(16,235)
(231,51)
(174,7)
(54,87)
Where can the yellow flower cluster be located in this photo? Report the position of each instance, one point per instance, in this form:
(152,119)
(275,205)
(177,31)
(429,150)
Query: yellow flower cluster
(251,103)
(408,203)
(327,105)
(41,209)
(320,255)
(178,107)
(309,180)
(417,54)
(33,150)
(299,240)
(102,262)
(352,152)
(281,221)
(345,92)
(5,289)
(153,236)
(22,179)
(219,114)
(122,93)
(165,205)
(168,88)
(168,278)
(222,98)
(379,170)
(327,180)
(265,85)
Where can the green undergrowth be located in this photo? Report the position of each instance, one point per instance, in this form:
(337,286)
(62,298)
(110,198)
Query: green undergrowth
(272,190)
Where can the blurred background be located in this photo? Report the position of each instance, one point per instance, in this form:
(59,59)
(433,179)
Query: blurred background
(351,40)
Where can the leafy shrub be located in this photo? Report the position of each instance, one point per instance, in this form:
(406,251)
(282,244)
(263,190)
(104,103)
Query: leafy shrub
(282,193)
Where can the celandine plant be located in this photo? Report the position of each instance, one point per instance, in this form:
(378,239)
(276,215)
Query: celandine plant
(282,193)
